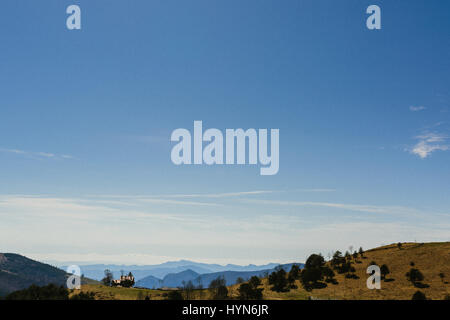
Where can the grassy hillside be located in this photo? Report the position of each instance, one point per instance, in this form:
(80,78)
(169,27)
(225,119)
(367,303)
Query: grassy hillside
(430,258)
(118,293)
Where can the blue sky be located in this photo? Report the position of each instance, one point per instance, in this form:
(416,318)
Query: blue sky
(86,118)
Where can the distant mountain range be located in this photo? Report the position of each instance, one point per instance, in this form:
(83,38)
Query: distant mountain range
(18,272)
(174,280)
(159,271)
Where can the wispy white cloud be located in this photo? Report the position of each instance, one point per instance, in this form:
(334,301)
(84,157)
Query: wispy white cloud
(46,154)
(174,199)
(208,195)
(73,228)
(36,155)
(428,143)
(416,108)
(316,190)
(45,208)
(16,151)
(221,195)
(293,245)
(177,202)
(180,195)
(393,210)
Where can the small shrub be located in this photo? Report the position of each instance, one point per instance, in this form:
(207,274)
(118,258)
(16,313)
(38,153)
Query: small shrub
(419,295)
(174,295)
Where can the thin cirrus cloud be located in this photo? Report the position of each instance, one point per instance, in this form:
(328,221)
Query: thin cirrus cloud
(377,209)
(36,155)
(222,195)
(193,195)
(176,202)
(210,195)
(174,199)
(36,207)
(429,143)
(68,227)
(416,108)
(316,190)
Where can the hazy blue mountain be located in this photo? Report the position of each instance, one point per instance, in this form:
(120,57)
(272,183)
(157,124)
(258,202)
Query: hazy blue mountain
(232,276)
(149,282)
(173,280)
(18,272)
(176,279)
(162,272)
(96,271)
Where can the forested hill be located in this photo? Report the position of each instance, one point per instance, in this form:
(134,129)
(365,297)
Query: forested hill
(18,272)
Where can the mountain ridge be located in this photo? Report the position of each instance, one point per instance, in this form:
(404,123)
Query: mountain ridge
(175,280)
(96,271)
(19,272)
